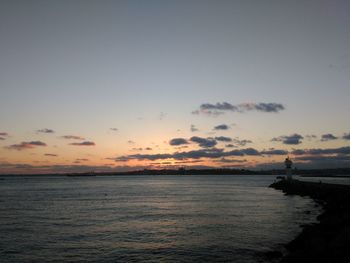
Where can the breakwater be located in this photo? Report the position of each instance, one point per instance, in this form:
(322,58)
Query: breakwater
(328,240)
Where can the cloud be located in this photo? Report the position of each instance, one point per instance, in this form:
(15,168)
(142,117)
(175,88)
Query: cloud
(113,129)
(141,149)
(341,150)
(290,140)
(247,151)
(210,153)
(307,162)
(131,142)
(82,160)
(178,141)
(310,137)
(223,139)
(225,160)
(3,136)
(50,154)
(323,158)
(274,152)
(45,131)
(26,145)
(37,143)
(328,137)
(72,137)
(346,136)
(193,128)
(85,143)
(221,127)
(239,142)
(203,142)
(137,149)
(222,107)
(263,107)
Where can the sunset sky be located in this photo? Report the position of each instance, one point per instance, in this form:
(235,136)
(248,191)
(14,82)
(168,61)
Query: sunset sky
(125,85)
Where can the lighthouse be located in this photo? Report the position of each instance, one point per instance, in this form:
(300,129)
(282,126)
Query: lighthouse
(288,162)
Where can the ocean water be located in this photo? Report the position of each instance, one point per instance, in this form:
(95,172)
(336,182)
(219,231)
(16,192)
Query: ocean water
(209,218)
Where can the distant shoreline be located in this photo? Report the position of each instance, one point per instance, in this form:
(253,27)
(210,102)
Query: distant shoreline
(328,240)
(338,172)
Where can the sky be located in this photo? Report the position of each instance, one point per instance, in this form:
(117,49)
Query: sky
(127,85)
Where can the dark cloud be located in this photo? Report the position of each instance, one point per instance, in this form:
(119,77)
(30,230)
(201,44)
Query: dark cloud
(50,154)
(85,143)
(45,131)
(26,145)
(224,106)
(131,142)
(211,153)
(341,150)
(37,143)
(220,108)
(323,158)
(141,149)
(178,141)
(223,139)
(263,107)
(230,145)
(193,128)
(3,136)
(328,137)
(221,127)
(298,152)
(150,157)
(72,137)
(214,113)
(314,158)
(346,136)
(203,142)
(82,160)
(290,140)
(274,152)
(307,162)
(248,151)
(113,129)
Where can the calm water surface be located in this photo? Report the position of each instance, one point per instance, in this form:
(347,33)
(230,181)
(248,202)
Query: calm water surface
(146,218)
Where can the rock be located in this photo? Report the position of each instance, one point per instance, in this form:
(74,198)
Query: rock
(273,254)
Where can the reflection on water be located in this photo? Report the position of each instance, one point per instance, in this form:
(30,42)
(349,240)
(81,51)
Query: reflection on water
(146,218)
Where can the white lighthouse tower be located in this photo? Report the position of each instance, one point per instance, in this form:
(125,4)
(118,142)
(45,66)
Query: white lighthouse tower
(288,162)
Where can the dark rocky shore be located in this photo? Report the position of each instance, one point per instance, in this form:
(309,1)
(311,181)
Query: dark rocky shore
(328,240)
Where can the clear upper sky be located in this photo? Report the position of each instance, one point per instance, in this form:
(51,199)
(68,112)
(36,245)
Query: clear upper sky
(127,77)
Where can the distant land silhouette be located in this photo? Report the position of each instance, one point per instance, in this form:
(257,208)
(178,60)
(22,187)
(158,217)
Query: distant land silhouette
(337,172)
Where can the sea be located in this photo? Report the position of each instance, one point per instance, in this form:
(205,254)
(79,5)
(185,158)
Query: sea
(147,218)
